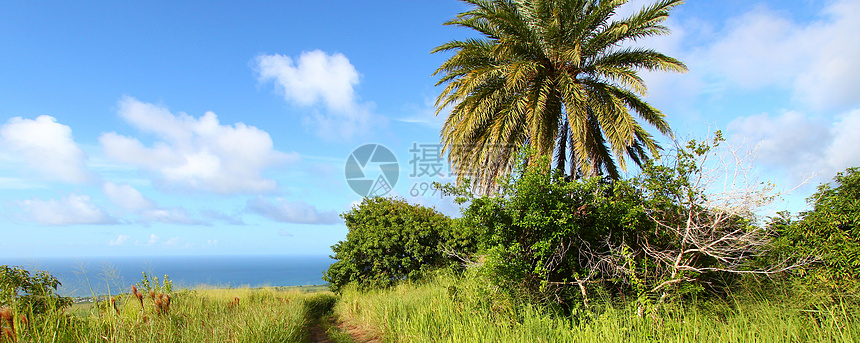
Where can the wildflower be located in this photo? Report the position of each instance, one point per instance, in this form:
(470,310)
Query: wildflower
(158,304)
(138,295)
(166,304)
(114,304)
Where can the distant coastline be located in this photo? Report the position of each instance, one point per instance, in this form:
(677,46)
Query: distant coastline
(300,289)
(85,276)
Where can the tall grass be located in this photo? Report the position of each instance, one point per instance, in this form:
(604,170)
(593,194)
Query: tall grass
(215,315)
(454,310)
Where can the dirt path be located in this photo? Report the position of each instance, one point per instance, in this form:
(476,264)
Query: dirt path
(356,335)
(323,325)
(318,335)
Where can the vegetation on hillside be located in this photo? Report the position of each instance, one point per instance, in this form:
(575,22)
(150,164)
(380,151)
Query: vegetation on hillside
(668,255)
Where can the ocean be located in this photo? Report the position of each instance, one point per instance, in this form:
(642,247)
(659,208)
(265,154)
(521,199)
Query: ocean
(85,276)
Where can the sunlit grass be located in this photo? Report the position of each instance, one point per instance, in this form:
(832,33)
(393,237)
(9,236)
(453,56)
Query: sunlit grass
(203,315)
(432,312)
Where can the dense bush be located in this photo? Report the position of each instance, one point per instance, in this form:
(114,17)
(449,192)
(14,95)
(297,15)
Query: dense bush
(542,234)
(390,240)
(666,232)
(830,230)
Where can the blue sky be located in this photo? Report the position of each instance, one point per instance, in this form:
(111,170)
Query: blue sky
(168,128)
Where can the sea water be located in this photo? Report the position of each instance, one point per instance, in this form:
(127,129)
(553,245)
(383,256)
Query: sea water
(85,276)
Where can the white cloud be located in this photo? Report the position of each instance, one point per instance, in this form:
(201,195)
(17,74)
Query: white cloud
(315,77)
(319,79)
(126,196)
(800,144)
(759,50)
(46,146)
(833,78)
(844,151)
(195,153)
(130,198)
(817,62)
(120,240)
(153,239)
(791,139)
(70,210)
(286,211)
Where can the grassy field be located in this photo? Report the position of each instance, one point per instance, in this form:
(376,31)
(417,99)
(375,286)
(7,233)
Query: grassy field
(450,310)
(204,315)
(447,309)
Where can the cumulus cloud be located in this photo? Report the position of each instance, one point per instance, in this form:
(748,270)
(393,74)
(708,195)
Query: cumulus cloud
(126,196)
(802,144)
(120,240)
(196,154)
(815,61)
(70,210)
(759,50)
(46,146)
(833,78)
(316,79)
(286,211)
(762,49)
(130,198)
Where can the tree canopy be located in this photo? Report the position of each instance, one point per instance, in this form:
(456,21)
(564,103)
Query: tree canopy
(561,77)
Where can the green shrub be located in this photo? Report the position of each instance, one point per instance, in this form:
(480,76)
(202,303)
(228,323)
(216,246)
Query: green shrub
(830,230)
(543,234)
(389,240)
(27,292)
(667,232)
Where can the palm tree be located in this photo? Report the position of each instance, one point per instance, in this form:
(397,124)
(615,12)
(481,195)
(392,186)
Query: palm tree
(559,77)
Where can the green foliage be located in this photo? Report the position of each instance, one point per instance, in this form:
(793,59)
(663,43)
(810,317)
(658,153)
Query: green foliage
(551,239)
(390,240)
(28,292)
(830,230)
(543,231)
(559,77)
